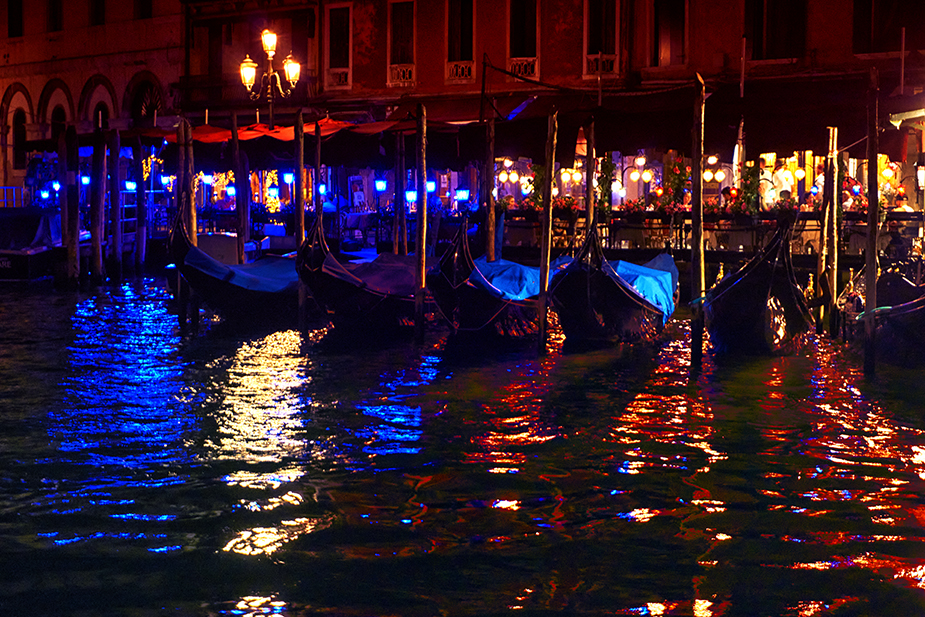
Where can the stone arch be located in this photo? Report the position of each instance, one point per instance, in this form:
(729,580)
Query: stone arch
(53,94)
(97,89)
(9,98)
(144,95)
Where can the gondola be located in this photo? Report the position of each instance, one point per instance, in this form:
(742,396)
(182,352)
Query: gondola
(358,297)
(261,292)
(760,309)
(898,317)
(478,296)
(613,301)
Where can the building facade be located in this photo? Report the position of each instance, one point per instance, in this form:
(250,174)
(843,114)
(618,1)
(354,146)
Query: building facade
(117,64)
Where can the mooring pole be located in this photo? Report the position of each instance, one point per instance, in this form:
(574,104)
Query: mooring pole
(490,222)
(62,192)
(403,213)
(590,168)
(239,202)
(115,203)
(180,190)
(698,267)
(97,210)
(873,223)
(190,177)
(319,202)
(141,207)
(831,251)
(299,199)
(193,218)
(546,230)
(420,248)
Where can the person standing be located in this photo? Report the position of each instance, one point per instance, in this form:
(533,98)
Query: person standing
(783,181)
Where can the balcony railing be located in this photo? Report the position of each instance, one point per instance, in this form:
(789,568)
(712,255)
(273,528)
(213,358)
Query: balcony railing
(337,78)
(461,71)
(522,67)
(600,64)
(401,75)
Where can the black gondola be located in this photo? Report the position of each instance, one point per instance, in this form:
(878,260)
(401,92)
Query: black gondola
(619,302)
(476,296)
(358,296)
(760,308)
(261,292)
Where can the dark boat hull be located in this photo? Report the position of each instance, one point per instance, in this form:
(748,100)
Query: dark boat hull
(262,292)
(359,297)
(472,308)
(759,309)
(595,304)
(592,306)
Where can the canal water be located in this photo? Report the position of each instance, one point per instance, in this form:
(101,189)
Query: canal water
(253,473)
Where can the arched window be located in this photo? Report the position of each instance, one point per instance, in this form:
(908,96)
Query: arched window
(19,139)
(145,103)
(58,120)
(101,116)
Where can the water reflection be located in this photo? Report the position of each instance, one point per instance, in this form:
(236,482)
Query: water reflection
(269,474)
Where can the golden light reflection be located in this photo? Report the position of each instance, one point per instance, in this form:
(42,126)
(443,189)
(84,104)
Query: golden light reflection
(703,608)
(506,504)
(260,414)
(267,540)
(259,605)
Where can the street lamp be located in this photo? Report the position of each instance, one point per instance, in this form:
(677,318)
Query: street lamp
(270,82)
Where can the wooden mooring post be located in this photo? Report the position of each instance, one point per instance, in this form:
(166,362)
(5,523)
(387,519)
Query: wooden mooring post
(420,271)
(698,267)
(115,206)
(97,208)
(873,224)
(542,300)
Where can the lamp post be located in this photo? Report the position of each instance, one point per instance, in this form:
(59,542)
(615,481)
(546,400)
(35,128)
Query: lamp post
(270,82)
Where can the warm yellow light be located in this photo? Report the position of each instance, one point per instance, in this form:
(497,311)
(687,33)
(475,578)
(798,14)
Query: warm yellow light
(268,39)
(647,176)
(887,172)
(640,160)
(711,160)
(707,176)
(555,191)
(800,173)
(292,70)
(720,175)
(634,175)
(508,162)
(502,176)
(565,174)
(248,72)
(576,176)
(513,176)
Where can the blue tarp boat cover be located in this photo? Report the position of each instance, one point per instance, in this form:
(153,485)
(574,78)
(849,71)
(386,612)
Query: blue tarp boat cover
(655,281)
(510,280)
(270,273)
